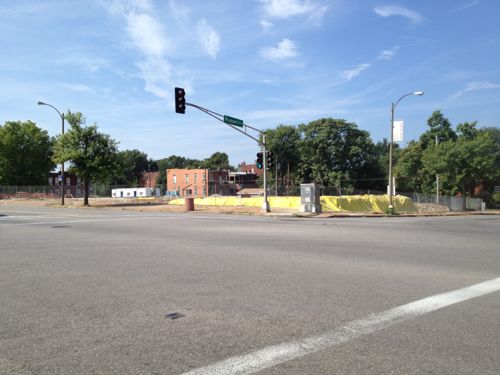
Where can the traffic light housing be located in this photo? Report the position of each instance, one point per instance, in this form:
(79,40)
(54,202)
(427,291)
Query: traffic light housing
(260,161)
(180,100)
(270,159)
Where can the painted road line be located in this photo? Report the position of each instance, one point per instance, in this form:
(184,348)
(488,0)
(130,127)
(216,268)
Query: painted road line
(273,355)
(127,217)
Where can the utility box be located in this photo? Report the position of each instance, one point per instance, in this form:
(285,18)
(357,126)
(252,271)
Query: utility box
(310,198)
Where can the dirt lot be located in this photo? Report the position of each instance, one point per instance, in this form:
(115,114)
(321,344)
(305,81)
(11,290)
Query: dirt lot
(136,205)
(424,209)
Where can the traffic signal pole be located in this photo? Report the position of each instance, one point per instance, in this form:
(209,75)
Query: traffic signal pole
(265,205)
(180,107)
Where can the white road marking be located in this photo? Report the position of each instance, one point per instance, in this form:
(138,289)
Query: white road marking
(123,218)
(273,355)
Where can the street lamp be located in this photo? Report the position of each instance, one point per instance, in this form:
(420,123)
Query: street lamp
(62,164)
(393,108)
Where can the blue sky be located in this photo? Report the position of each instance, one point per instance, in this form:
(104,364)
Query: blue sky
(268,62)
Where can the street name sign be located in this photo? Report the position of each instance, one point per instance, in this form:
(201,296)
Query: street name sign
(233,121)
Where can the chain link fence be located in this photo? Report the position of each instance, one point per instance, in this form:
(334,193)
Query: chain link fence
(54,192)
(104,191)
(451,203)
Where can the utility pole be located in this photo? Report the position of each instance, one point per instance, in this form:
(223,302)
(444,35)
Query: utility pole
(265,205)
(276,179)
(437,179)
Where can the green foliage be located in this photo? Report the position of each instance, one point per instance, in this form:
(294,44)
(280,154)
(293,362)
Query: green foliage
(130,165)
(93,155)
(283,142)
(467,130)
(25,154)
(408,167)
(333,150)
(440,130)
(463,160)
(465,163)
(218,160)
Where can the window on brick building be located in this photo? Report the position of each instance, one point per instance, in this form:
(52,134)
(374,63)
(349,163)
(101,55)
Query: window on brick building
(195,178)
(174,179)
(187,179)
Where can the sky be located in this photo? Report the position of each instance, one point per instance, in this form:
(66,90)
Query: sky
(267,62)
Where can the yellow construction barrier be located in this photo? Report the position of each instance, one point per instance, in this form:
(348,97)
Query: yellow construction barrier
(366,203)
(347,203)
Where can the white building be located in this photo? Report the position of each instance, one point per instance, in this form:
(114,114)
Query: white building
(139,192)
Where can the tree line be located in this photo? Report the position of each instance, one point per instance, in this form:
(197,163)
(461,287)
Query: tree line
(334,153)
(28,154)
(340,157)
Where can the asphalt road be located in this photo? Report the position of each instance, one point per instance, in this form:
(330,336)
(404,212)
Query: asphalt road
(88,291)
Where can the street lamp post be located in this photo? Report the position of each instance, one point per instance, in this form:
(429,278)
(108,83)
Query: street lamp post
(63,182)
(393,108)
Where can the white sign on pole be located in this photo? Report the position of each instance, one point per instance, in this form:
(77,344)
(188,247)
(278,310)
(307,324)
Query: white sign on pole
(398,131)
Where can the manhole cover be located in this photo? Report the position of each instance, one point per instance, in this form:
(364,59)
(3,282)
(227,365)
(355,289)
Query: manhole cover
(174,316)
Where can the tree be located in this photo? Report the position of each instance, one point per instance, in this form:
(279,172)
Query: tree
(467,130)
(333,151)
(25,154)
(283,142)
(218,160)
(93,155)
(408,168)
(465,163)
(440,130)
(175,161)
(380,171)
(131,163)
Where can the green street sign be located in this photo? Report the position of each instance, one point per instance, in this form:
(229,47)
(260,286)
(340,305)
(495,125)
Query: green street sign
(233,121)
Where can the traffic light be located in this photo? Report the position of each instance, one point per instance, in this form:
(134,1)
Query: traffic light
(270,159)
(260,161)
(180,100)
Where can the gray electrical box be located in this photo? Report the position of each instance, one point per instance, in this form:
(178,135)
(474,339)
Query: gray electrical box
(310,198)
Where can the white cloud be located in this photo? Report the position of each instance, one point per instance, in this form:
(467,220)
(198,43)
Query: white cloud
(209,38)
(266,26)
(286,49)
(156,73)
(121,8)
(78,87)
(469,5)
(147,34)
(474,86)
(22,10)
(396,10)
(291,8)
(90,64)
(349,74)
(387,54)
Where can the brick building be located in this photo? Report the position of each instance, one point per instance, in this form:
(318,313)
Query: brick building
(197,182)
(250,168)
(242,180)
(148,179)
(74,185)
